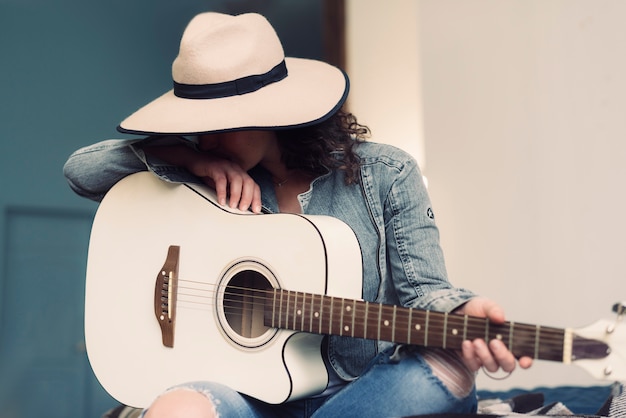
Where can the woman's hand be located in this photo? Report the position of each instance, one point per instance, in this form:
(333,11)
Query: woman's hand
(231,182)
(493,355)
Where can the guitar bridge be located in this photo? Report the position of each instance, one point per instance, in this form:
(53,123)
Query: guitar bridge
(165,295)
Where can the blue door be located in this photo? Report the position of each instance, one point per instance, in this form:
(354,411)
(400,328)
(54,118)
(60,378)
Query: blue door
(42,352)
(70,71)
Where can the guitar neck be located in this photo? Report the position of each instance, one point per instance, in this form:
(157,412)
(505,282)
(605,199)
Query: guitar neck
(329,315)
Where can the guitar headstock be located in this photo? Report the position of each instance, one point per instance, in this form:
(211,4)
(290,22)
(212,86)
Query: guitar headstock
(612,365)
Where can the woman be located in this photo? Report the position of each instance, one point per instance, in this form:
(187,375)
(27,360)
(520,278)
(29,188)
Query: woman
(268,133)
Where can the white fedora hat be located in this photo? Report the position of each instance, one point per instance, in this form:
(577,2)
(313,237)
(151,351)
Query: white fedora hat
(231,74)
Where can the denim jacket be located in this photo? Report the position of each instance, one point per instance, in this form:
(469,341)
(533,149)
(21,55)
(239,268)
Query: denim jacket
(389,211)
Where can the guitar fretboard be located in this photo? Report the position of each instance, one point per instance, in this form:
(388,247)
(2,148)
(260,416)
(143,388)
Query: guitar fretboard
(329,315)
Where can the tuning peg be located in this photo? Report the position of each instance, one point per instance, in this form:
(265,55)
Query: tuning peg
(619,308)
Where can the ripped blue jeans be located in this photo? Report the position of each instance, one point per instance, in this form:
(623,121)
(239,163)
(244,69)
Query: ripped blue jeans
(395,384)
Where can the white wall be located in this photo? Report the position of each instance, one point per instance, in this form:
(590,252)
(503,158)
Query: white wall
(385,93)
(524,134)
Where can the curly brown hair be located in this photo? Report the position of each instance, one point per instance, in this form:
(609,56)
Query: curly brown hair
(313,148)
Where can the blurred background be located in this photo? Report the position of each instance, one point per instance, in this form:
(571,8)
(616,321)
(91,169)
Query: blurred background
(514,109)
(71,71)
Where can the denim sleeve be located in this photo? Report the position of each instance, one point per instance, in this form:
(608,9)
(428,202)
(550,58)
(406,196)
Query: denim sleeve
(91,171)
(415,257)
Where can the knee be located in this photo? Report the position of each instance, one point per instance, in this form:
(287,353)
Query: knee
(182,403)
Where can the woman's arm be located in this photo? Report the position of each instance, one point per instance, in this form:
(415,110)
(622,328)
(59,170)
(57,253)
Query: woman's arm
(91,171)
(230,181)
(419,270)
(414,254)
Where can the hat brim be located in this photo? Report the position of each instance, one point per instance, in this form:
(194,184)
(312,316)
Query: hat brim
(312,92)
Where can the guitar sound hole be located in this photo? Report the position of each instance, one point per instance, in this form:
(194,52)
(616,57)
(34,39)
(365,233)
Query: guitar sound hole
(244,301)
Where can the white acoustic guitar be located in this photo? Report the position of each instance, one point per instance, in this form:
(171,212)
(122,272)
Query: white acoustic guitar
(180,289)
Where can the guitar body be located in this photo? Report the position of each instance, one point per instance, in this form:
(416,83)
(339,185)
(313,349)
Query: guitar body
(138,221)
(180,289)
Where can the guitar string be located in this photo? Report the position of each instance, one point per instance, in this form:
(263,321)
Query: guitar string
(550,337)
(434,335)
(479,328)
(523,345)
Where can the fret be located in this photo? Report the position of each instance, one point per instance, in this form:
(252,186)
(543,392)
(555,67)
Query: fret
(408,328)
(337,313)
(316,321)
(495,334)
(385,335)
(330,319)
(362,315)
(380,318)
(403,320)
(301,312)
(353,316)
(323,315)
(362,319)
(373,321)
(320,316)
(295,309)
(347,318)
(437,329)
(544,343)
(304,312)
(426,324)
(311,313)
(341,316)
(456,330)
(465,318)
(552,344)
(274,311)
(486,329)
(288,309)
(393,324)
(280,310)
(417,325)
(365,323)
(328,315)
(291,312)
(445,329)
(537,336)
(399,324)
(495,331)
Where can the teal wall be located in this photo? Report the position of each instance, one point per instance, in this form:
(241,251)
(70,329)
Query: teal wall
(70,71)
